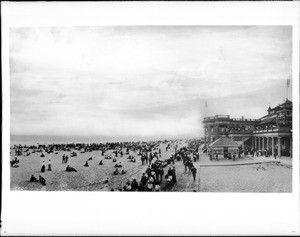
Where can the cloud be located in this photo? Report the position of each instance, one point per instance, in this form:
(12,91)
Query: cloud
(142,80)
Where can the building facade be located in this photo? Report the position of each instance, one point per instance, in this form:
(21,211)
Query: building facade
(274,132)
(271,133)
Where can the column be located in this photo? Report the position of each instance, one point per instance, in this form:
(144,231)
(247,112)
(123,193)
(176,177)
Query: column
(263,143)
(279,147)
(252,144)
(273,146)
(255,143)
(268,143)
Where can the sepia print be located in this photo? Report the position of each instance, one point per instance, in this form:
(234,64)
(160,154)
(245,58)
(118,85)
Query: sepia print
(151,108)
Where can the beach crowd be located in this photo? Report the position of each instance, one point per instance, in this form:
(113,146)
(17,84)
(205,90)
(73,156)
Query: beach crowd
(159,174)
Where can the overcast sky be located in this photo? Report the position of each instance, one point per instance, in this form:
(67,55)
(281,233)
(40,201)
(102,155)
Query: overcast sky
(145,81)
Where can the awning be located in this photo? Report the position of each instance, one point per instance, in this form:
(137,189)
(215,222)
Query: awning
(224,142)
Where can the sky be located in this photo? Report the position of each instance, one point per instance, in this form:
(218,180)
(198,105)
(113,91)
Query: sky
(143,81)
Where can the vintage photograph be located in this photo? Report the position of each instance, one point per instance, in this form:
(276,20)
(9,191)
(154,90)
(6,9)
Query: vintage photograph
(152,108)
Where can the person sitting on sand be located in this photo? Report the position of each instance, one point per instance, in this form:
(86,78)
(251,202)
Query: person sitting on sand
(33,179)
(49,166)
(100,163)
(116,172)
(106,181)
(15,164)
(118,165)
(123,172)
(114,160)
(43,167)
(132,159)
(90,158)
(42,180)
(86,164)
(42,155)
(70,169)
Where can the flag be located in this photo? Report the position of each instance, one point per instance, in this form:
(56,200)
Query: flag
(288,83)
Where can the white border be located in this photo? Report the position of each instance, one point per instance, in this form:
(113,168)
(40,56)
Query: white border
(94,213)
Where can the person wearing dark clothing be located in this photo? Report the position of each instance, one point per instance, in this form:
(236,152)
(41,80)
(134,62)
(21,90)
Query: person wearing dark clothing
(134,185)
(118,165)
(100,163)
(42,180)
(70,169)
(169,171)
(174,174)
(194,171)
(86,164)
(123,172)
(49,166)
(43,167)
(116,172)
(33,179)
(143,181)
(148,171)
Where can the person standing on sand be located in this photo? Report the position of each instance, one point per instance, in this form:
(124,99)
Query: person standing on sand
(43,167)
(174,174)
(194,171)
(49,166)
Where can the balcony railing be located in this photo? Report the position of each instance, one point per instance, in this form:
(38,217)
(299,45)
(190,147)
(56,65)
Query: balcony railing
(227,117)
(281,129)
(240,132)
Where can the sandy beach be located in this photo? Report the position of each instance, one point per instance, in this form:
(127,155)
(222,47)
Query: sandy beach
(212,176)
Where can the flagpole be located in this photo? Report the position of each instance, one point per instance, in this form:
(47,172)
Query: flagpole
(287,91)
(287,87)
